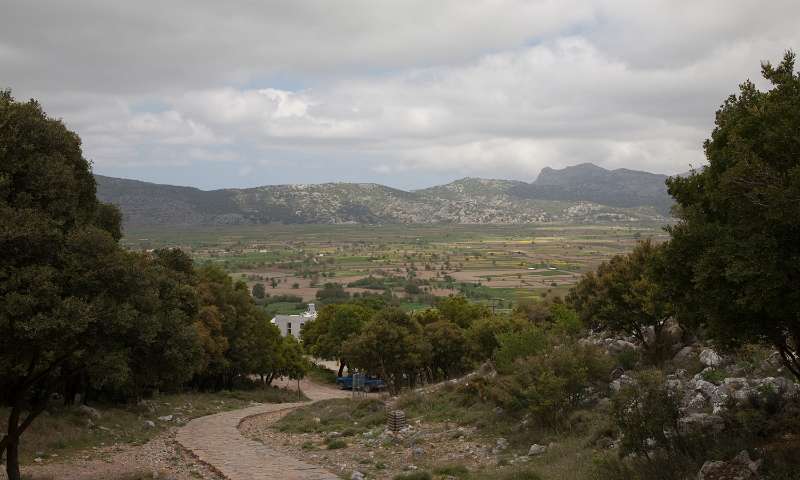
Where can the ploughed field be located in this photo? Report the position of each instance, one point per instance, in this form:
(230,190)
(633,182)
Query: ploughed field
(492,264)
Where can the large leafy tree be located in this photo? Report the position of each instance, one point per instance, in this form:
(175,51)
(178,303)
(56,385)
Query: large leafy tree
(72,303)
(449,349)
(240,333)
(461,311)
(391,345)
(624,295)
(335,325)
(735,254)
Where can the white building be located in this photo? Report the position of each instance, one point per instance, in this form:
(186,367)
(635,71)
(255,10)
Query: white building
(291,324)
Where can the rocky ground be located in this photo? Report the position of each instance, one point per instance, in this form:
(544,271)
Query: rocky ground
(379,453)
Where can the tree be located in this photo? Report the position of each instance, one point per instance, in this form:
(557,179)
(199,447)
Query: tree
(624,295)
(391,345)
(72,302)
(461,311)
(243,324)
(734,257)
(448,348)
(332,293)
(482,335)
(258,291)
(335,325)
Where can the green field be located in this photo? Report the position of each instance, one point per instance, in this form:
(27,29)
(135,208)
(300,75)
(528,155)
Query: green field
(492,264)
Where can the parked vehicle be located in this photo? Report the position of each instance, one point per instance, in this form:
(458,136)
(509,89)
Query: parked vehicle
(371,384)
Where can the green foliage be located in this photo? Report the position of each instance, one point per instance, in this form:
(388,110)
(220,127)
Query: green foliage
(320,374)
(520,474)
(517,345)
(482,334)
(565,320)
(457,471)
(551,383)
(392,346)
(624,295)
(448,348)
(713,375)
(259,291)
(736,244)
(335,443)
(340,415)
(461,311)
(645,413)
(332,293)
(76,311)
(628,358)
(238,335)
(418,475)
(334,326)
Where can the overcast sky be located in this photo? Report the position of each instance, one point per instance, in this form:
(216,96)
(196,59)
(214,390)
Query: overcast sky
(405,93)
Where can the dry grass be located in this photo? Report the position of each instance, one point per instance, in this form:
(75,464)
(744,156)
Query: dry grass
(62,431)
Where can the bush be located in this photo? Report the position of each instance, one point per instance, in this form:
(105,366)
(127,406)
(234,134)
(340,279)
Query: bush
(551,384)
(647,415)
(628,358)
(516,345)
(335,443)
(421,475)
(457,471)
(520,475)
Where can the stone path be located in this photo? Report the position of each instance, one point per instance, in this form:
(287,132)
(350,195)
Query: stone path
(215,440)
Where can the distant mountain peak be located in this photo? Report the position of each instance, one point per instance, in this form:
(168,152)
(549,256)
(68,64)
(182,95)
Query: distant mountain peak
(617,195)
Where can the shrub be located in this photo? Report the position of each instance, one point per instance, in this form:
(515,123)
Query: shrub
(628,358)
(421,475)
(335,443)
(565,320)
(520,475)
(516,345)
(645,413)
(713,375)
(457,471)
(551,384)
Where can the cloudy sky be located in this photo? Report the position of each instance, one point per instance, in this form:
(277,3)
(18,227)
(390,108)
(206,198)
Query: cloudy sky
(405,93)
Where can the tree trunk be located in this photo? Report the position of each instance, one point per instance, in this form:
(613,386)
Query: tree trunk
(12,462)
(341,368)
(12,444)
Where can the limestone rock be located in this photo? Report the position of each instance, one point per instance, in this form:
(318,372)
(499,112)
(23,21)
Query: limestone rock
(90,412)
(684,355)
(701,423)
(621,382)
(500,445)
(740,468)
(710,358)
(536,450)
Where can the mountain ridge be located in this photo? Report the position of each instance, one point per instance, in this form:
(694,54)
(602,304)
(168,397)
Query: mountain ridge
(580,193)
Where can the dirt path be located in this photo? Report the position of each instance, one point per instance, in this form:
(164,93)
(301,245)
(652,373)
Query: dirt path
(215,440)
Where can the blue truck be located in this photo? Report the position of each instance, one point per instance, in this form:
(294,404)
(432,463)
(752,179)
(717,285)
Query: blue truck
(371,384)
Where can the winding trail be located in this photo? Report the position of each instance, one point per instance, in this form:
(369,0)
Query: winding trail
(215,440)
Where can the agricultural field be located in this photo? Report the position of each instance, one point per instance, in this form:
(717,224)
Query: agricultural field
(495,265)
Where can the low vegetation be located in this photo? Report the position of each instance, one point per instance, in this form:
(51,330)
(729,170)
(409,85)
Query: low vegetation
(346,417)
(65,430)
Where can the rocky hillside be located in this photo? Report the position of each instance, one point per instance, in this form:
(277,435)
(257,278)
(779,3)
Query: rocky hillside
(585,193)
(587,182)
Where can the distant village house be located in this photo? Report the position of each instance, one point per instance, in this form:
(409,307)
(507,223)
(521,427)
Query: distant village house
(292,324)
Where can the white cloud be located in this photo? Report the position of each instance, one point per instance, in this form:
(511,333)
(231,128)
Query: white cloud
(490,88)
